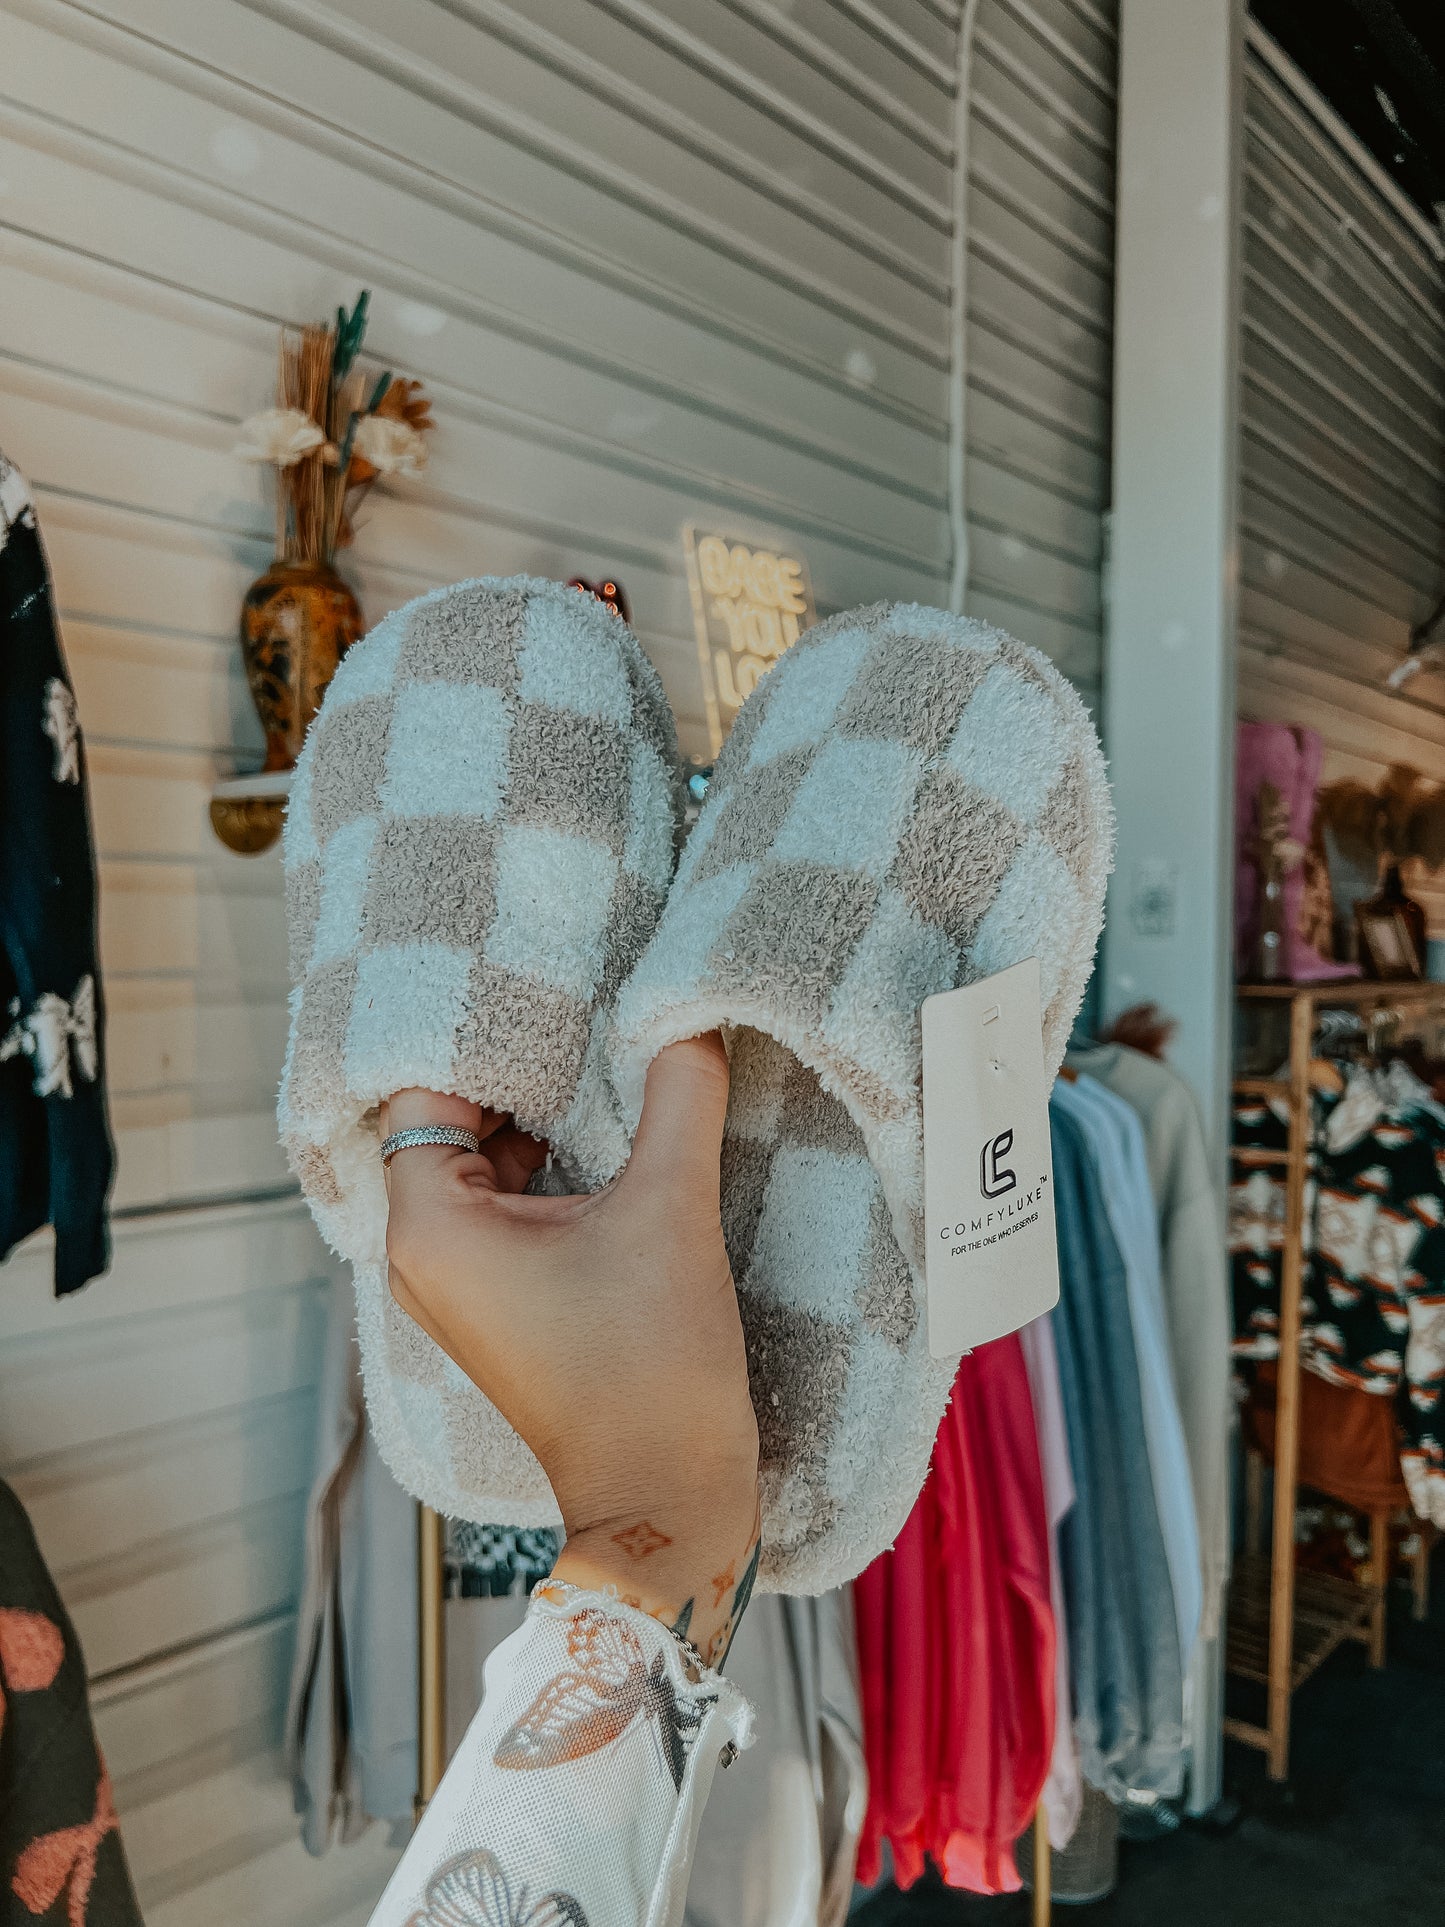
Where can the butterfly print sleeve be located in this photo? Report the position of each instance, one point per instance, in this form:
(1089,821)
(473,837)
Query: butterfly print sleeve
(575,1798)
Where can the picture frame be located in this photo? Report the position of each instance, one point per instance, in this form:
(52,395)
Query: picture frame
(1388,947)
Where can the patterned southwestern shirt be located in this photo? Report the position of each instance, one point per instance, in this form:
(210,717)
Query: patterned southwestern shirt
(1374,1284)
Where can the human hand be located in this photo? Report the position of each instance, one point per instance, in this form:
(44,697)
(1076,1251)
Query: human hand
(605,1329)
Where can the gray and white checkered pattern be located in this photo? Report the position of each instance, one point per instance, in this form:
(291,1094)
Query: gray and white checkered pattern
(909,801)
(479,842)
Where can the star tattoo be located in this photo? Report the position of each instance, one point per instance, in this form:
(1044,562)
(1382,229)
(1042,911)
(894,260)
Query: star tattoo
(641,1540)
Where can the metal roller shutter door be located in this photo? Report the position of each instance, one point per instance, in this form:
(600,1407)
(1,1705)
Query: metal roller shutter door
(1040,321)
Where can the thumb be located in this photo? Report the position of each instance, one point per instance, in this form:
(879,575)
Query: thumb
(679,1139)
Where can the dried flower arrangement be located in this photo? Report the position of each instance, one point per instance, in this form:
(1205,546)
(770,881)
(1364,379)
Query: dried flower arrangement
(335,431)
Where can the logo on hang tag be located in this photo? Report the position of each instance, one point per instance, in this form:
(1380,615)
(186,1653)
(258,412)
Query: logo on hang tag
(993,1179)
(991,1261)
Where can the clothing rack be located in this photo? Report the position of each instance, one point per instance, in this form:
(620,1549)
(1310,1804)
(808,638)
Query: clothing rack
(1043,1911)
(1284,1624)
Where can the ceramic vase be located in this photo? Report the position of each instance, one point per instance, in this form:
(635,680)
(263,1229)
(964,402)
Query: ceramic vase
(297,622)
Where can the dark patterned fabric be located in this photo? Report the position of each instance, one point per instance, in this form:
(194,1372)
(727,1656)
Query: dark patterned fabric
(1374,1287)
(488,1562)
(55,1150)
(61,1860)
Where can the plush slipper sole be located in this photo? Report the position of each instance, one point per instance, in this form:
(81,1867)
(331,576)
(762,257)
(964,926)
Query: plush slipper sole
(909,801)
(479,841)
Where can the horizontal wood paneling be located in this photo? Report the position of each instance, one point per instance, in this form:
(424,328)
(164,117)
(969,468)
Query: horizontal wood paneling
(265,1878)
(1040,280)
(1342,445)
(179,178)
(163,1725)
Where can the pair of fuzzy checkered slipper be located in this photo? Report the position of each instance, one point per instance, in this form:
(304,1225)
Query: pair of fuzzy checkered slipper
(482,900)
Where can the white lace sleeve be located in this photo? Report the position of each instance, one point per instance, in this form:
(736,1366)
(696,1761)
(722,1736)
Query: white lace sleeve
(574,1799)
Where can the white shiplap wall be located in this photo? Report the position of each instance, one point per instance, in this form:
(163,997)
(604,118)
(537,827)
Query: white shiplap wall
(1040,337)
(657,260)
(1343,440)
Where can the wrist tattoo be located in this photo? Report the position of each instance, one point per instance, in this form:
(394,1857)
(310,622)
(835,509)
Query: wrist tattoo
(641,1541)
(719,1646)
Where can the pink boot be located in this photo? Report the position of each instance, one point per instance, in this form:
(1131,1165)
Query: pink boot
(1291,759)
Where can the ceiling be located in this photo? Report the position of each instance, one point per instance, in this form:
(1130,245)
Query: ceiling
(1381,66)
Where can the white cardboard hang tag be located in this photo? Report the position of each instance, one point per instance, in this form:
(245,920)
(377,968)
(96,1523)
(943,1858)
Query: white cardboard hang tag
(991,1261)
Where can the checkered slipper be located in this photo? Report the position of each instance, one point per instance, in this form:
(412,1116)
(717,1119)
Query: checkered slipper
(479,841)
(908,802)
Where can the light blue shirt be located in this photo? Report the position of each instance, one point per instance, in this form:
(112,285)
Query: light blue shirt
(1116,1139)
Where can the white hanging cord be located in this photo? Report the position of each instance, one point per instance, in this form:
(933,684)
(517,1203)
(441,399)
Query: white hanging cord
(958,319)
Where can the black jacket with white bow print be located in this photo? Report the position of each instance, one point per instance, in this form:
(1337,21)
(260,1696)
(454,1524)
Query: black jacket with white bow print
(56,1158)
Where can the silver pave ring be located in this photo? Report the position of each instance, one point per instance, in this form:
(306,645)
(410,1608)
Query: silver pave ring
(455,1136)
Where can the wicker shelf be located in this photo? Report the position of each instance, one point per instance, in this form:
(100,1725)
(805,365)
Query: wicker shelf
(1327,1612)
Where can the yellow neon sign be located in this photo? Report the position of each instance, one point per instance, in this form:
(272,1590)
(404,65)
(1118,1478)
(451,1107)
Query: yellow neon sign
(748,606)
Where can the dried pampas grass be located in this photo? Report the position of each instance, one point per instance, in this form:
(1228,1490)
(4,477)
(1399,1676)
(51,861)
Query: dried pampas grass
(335,431)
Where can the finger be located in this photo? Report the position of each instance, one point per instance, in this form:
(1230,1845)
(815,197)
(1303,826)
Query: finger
(405,1110)
(436,1107)
(684,1107)
(509,1156)
(417,1109)
(445,1203)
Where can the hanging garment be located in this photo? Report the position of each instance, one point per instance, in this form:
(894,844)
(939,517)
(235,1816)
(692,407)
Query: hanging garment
(1195,1276)
(1063,1794)
(1349,1442)
(1373,1306)
(351,1721)
(1194,1273)
(56,1159)
(956,1645)
(61,1858)
(780,1841)
(1116,1138)
(1122,1628)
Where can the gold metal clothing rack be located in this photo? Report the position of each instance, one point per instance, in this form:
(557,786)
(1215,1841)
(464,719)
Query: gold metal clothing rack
(1283,1625)
(431,1655)
(1043,1872)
